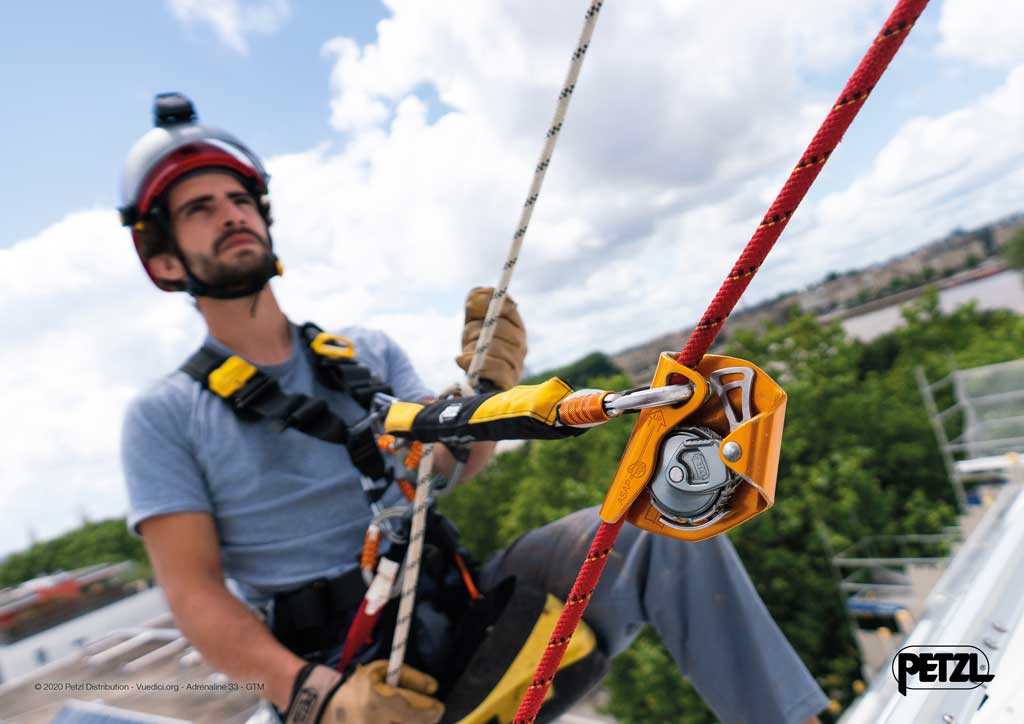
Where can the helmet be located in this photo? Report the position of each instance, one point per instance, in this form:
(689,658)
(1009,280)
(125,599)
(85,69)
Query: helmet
(179,146)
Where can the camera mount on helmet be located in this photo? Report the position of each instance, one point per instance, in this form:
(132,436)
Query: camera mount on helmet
(173,109)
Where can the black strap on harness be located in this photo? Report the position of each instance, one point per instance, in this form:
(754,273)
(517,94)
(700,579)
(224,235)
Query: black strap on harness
(316,616)
(254,394)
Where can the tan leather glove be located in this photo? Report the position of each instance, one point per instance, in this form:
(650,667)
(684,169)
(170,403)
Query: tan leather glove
(364,698)
(503,365)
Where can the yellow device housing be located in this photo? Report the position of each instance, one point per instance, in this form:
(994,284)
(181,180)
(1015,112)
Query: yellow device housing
(753,421)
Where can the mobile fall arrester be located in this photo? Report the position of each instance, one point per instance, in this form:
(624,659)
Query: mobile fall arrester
(703,460)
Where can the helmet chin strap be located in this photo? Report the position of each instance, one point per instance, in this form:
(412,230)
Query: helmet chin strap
(198,288)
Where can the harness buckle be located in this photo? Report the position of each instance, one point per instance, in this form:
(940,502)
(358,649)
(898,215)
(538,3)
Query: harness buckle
(333,346)
(232,375)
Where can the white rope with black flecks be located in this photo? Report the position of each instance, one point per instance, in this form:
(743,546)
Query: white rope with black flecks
(421,501)
(494,308)
(413,556)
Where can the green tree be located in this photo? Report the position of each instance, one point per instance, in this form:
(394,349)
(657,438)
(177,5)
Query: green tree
(645,686)
(106,541)
(582,372)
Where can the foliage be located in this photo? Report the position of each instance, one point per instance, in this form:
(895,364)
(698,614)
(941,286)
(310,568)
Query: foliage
(581,372)
(107,541)
(859,459)
(1013,250)
(645,686)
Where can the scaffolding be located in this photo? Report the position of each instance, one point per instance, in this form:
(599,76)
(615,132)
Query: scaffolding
(884,581)
(978,418)
(983,422)
(978,592)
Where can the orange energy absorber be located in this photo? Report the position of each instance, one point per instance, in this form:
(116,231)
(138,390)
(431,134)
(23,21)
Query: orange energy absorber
(412,460)
(583,410)
(368,561)
(407,490)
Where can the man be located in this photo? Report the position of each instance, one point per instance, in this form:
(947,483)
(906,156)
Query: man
(282,513)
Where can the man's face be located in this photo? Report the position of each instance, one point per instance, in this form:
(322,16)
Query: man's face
(218,228)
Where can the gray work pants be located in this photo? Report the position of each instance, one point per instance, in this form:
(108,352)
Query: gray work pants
(698,598)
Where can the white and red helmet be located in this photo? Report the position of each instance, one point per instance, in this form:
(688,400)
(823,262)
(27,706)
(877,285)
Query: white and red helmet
(177,147)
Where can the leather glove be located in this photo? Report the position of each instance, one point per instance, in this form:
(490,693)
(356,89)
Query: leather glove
(320,697)
(503,365)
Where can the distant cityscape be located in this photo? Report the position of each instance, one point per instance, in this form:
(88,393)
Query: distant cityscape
(46,601)
(957,258)
(959,251)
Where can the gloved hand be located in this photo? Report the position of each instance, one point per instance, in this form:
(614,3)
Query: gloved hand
(503,365)
(319,697)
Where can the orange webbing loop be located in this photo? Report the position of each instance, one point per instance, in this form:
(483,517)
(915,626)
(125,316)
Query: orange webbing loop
(466,578)
(585,409)
(407,489)
(371,543)
(386,443)
(412,460)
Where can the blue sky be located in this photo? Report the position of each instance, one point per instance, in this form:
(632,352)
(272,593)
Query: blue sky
(401,137)
(80,77)
(79,80)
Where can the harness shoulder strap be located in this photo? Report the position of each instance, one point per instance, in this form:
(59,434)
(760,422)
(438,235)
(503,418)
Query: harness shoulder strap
(253,394)
(336,367)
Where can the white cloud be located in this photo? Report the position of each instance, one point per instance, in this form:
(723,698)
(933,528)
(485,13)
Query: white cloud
(679,114)
(986,32)
(88,334)
(233,20)
(683,126)
(937,173)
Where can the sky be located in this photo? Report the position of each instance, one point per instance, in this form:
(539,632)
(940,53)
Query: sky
(401,138)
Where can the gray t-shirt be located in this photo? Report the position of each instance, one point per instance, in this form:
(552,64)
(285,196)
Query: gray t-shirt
(288,507)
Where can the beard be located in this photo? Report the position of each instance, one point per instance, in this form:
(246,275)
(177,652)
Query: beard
(243,270)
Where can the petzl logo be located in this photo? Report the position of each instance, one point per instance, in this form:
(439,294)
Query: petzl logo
(449,413)
(940,667)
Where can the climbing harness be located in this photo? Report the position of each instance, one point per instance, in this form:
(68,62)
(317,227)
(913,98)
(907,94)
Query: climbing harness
(654,485)
(485,672)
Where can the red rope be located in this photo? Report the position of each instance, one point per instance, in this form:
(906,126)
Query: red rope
(857,89)
(850,101)
(575,605)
